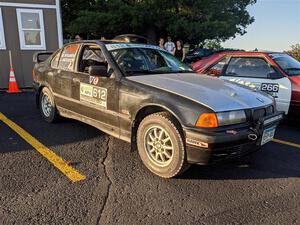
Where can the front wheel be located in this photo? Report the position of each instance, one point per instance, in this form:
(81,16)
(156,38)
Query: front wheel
(47,106)
(161,146)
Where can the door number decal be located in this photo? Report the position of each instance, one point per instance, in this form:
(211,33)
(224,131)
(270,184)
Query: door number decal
(267,87)
(94,95)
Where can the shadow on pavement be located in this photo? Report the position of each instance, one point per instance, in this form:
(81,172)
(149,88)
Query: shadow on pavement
(21,109)
(274,161)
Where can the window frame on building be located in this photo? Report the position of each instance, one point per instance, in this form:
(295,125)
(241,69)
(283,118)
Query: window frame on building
(21,30)
(2,34)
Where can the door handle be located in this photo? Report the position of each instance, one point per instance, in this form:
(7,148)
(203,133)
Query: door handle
(76,80)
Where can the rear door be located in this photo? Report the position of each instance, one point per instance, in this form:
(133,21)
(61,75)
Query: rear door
(62,76)
(256,73)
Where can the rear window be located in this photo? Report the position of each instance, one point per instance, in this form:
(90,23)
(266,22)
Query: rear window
(55,60)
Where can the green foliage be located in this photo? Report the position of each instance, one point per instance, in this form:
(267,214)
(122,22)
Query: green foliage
(213,44)
(191,20)
(295,51)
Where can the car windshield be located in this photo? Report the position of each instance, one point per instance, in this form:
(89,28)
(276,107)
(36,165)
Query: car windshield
(141,61)
(290,65)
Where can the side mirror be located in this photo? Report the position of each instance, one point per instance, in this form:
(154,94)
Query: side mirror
(213,72)
(99,71)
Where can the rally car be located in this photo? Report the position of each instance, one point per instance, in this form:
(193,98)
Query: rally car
(274,73)
(144,95)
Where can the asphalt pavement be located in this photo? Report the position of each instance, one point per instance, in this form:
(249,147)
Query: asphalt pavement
(117,189)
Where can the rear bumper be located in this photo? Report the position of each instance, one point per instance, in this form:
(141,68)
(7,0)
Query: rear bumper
(227,144)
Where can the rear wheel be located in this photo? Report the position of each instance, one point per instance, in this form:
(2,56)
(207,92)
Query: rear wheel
(161,146)
(47,106)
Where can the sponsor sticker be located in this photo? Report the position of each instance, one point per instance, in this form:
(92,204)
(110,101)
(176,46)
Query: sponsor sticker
(196,143)
(93,95)
(94,80)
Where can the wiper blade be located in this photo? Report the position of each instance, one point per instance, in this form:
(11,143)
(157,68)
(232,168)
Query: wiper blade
(183,71)
(139,71)
(293,68)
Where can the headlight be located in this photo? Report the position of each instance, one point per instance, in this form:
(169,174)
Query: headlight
(233,117)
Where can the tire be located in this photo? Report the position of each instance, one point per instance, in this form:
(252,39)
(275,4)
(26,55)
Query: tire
(160,145)
(47,106)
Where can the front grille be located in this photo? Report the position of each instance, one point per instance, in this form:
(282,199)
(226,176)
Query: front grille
(270,110)
(258,113)
(261,112)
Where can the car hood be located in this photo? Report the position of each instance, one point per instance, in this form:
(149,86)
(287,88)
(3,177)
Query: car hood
(214,93)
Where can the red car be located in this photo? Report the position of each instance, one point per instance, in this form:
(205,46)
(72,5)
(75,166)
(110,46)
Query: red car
(278,74)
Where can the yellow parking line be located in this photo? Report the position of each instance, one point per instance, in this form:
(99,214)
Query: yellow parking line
(286,143)
(58,162)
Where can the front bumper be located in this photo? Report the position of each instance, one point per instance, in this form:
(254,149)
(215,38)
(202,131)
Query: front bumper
(208,148)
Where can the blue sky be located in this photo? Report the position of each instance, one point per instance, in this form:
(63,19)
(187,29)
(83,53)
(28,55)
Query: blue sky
(276,26)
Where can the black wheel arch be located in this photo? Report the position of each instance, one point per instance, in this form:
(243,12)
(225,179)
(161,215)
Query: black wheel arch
(38,92)
(149,109)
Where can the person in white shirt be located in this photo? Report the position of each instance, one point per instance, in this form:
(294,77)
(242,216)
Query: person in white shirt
(169,45)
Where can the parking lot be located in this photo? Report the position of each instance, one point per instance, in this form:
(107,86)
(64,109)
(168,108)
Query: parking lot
(71,173)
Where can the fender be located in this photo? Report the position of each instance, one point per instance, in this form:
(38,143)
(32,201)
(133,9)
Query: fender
(145,105)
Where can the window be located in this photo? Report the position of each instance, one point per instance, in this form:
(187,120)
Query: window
(67,58)
(141,61)
(290,65)
(55,60)
(31,29)
(2,36)
(91,56)
(249,67)
(217,69)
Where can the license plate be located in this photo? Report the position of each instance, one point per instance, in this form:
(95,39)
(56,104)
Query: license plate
(268,135)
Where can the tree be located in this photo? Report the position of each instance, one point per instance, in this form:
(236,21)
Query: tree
(191,20)
(295,51)
(212,44)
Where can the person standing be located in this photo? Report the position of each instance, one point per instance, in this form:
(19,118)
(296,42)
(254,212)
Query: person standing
(78,37)
(161,43)
(179,51)
(169,45)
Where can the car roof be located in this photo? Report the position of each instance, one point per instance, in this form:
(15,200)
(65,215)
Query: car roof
(244,53)
(113,45)
(217,56)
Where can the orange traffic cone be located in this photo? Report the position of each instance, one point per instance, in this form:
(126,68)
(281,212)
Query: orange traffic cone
(13,86)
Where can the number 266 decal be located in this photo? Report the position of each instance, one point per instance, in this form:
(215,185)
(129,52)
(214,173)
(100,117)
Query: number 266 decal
(270,87)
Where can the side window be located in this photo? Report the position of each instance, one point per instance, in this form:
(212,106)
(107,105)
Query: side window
(249,67)
(67,59)
(217,69)
(90,56)
(55,60)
